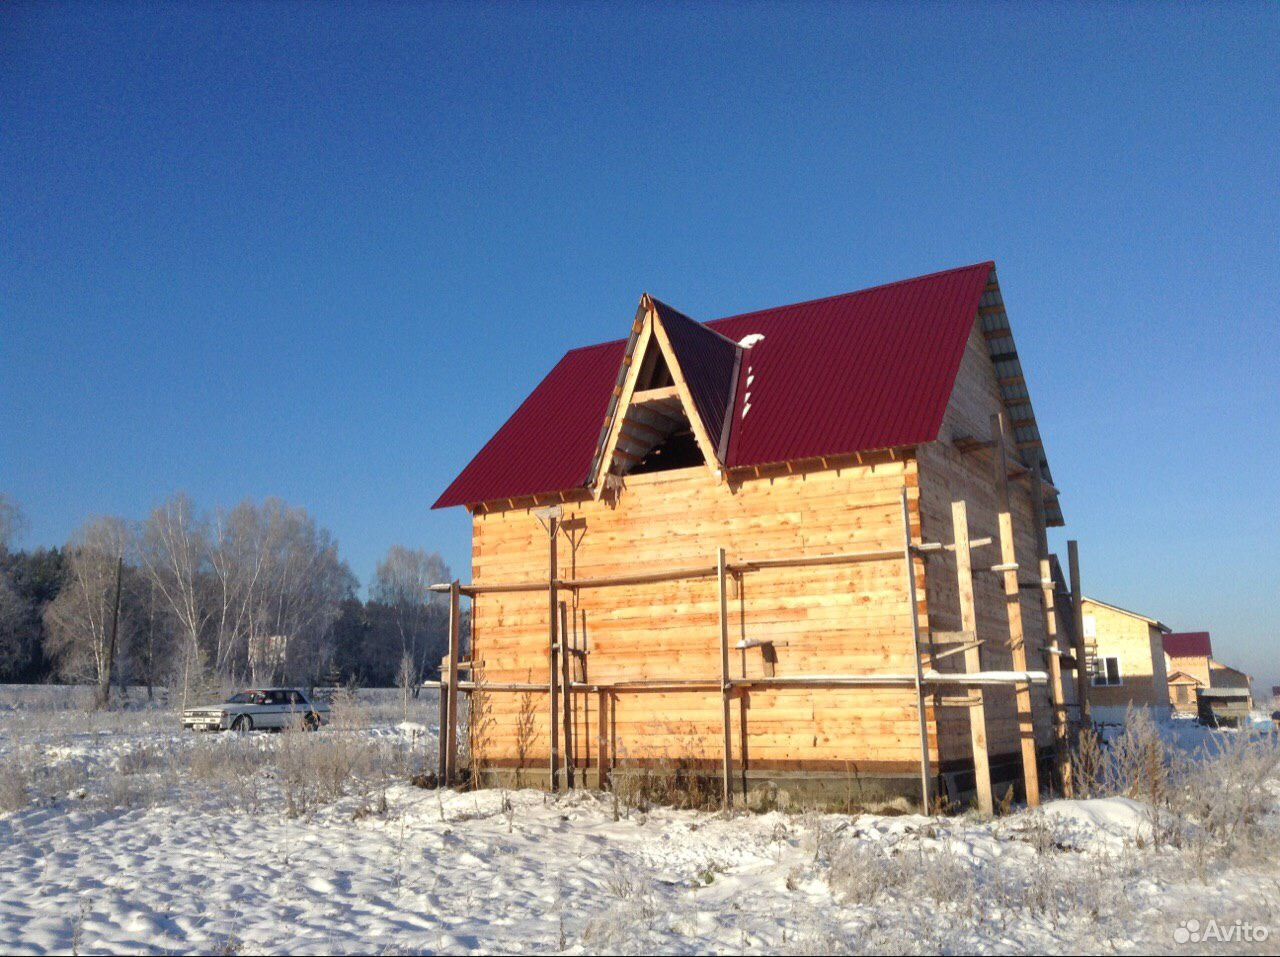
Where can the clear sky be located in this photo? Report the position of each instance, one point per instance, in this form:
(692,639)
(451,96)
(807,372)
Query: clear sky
(322,251)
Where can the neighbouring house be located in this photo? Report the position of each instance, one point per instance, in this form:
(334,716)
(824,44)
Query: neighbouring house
(731,551)
(1190,653)
(1125,653)
(1183,693)
(1224,707)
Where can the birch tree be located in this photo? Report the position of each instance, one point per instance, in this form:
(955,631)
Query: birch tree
(174,553)
(402,582)
(80,638)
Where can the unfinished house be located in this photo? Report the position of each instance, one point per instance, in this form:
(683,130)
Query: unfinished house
(1125,658)
(799,552)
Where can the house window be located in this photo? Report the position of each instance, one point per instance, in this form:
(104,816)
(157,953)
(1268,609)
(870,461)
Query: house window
(1090,626)
(1106,672)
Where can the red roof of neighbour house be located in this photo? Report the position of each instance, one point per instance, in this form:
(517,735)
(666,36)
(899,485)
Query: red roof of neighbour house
(852,373)
(1188,644)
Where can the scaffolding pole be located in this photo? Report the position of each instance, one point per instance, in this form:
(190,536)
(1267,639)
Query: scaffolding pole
(1013,608)
(908,556)
(972,657)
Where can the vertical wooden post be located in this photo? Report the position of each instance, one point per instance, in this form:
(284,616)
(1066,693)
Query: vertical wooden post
(972,658)
(1061,746)
(926,766)
(451,710)
(566,695)
(1013,607)
(726,689)
(602,739)
(553,668)
(1077,621)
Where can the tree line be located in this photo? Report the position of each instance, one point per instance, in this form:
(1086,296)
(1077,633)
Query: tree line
(190,599)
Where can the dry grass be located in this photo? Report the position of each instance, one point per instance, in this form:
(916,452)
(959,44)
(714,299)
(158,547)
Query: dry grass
(52,750)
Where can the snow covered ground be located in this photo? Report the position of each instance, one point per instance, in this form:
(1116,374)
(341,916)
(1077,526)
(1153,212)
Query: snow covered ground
(120,834)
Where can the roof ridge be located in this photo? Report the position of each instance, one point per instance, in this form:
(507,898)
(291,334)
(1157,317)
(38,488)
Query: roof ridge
(854,292)
(710,323)
(706,326)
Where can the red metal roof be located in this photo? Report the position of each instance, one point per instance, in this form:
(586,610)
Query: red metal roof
(1188,644)
(858,372)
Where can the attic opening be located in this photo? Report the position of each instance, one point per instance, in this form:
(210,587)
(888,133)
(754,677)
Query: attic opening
(679,450)
(655,435)
(654,371)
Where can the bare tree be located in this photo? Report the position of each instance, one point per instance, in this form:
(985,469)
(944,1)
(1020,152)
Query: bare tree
(302,584)
(174,552)
(402,582)
(83,621)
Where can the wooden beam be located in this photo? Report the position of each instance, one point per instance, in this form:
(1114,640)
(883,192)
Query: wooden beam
(674,574)
(451,735)
(1013,609)
(926,770)
(928,548)
(726,687)
(1077,621)
(972,658)
(845,558)
(602,739)
(645,396)
(620,410)
(553,615)
(566,695)
(1061,745)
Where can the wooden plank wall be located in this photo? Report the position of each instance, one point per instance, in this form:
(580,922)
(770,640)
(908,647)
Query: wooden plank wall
(946,474)
(823,620)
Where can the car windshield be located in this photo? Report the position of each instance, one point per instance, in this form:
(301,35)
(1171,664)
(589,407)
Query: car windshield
(248,697)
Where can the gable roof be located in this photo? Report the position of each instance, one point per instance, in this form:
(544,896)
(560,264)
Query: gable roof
(1188,644)
(1161,626)
(852,373)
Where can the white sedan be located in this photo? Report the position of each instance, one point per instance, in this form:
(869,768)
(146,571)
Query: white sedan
(272,708)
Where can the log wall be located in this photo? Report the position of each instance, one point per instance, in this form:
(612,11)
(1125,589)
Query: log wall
(836,619)
(947,474)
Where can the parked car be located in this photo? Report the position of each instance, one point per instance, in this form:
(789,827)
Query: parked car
(266,708)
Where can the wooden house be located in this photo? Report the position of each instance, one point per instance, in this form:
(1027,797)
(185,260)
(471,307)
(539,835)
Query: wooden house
(1183,693)
(799,550)
(1125,655)
(1190,656)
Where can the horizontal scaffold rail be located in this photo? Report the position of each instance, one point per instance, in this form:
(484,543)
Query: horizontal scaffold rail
(703,571)
(963,679)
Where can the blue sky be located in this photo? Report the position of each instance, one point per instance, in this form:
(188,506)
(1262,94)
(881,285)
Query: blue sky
(322,251)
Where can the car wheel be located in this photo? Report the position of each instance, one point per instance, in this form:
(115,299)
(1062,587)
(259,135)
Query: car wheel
(242,724)
(310,721)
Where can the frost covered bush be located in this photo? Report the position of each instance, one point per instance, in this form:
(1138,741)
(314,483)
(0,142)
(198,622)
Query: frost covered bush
(15,782)
(1212,800)
(861,872)
(1226,795)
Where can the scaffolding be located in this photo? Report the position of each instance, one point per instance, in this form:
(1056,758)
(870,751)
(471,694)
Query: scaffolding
(925,679)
